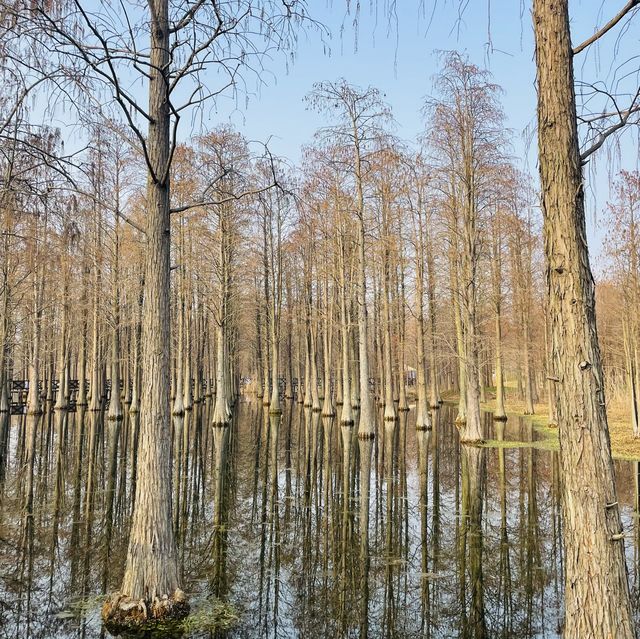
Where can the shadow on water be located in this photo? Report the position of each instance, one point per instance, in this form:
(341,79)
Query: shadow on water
(291,526)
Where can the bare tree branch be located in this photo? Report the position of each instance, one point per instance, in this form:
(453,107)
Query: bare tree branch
(632,4)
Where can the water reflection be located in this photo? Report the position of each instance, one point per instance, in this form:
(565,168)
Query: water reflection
(298,525)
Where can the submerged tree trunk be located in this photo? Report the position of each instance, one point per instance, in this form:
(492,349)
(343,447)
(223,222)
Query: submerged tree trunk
(597,602)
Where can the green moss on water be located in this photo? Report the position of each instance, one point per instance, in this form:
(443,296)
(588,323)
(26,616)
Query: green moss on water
(622,446)
(541,444)
(211,616)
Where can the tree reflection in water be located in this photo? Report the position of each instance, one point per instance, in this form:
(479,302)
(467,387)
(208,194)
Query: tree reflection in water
(301,528)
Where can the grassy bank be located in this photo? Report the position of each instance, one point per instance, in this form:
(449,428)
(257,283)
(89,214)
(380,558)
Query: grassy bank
(623,444)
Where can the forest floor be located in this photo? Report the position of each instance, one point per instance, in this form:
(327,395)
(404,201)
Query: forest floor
(623,444)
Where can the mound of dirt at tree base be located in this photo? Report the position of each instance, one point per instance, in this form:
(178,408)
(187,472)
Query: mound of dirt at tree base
(125,616)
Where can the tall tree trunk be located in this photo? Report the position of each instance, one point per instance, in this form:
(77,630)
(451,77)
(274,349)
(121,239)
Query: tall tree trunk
(152,569)
(135,354)
(499,413)
(496,272)
(5,405)
(434,398)
(33,399)
(63,350)
(630,352)
(597,602)
(187,394)
(461,417)
(115,404)
(366,427)
(178,402)
(472,429)
(346,415)
(423,421)
(403,405)
(327,406)
(276,295)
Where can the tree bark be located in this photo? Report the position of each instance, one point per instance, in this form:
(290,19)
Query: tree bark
(151,567)
(597,600)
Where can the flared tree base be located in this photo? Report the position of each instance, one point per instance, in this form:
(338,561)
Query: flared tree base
(123,615)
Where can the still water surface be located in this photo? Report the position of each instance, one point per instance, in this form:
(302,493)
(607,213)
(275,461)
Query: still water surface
(293,527)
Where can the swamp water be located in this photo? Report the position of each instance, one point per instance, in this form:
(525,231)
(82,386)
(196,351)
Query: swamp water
(293,527)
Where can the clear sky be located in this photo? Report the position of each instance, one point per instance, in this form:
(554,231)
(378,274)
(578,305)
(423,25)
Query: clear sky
(399,58)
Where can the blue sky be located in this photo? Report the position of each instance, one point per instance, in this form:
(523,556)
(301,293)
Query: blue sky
(400,60)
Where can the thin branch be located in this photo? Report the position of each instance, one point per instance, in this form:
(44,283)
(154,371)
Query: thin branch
(602,137)
(607,27)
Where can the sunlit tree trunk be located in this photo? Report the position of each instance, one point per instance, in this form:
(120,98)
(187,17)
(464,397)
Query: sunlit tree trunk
(496,276)
(389,406)
(275,259)
(178,403)
(5,406)
(327,407)
(472,429)
(135,351)
(63,349)
(630,359)
(422,408)
(366,426)
(313,355)
(115,404)
(461,417)
(95,387)
(597,602)
(187,380)
(403,405)
(551,385)
(151,570)
(37,285)
(260,390)
(434,394)
(221,409)
(346,415)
